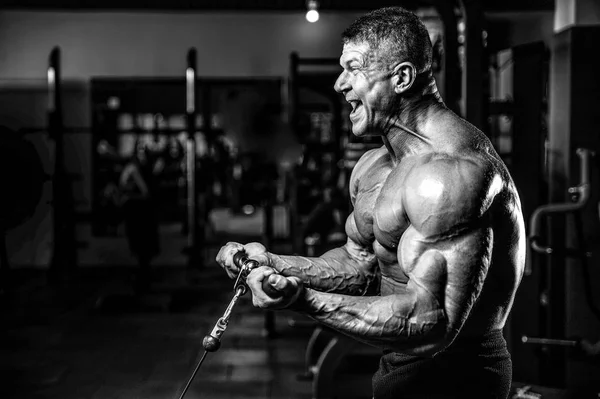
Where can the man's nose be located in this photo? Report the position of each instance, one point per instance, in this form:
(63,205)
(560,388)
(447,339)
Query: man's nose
(341,83)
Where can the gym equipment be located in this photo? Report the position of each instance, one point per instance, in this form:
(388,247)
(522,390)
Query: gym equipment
(212,341)
(318,124)
(580,196)
(580,348)
(317,343)
(193,231)
(65,245)
(23,178)
(332,357)
(569,343)
(22,174)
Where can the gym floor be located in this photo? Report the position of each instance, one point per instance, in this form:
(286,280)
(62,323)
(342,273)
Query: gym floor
(93,338)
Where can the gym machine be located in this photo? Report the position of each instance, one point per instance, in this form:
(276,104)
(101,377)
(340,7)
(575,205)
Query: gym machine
(580,197)
(28,167)
(195,232)
(22,172)
(193,217)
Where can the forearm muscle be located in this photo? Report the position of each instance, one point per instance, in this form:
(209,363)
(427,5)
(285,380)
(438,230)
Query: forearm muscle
(337,271)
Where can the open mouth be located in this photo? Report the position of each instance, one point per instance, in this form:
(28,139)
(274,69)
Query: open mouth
(355,104)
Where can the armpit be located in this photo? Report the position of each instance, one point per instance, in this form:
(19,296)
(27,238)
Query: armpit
(359,252)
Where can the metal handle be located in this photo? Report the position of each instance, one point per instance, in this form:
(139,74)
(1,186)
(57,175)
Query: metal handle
(246,265)
(549,341)
(581,194)
(212,341)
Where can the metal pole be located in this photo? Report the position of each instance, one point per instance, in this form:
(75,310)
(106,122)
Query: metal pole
(190,109)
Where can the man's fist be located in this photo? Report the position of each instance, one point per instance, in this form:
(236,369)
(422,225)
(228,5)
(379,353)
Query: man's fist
(288,289)
(253,250)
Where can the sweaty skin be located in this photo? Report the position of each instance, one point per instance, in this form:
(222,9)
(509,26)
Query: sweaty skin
(436,241)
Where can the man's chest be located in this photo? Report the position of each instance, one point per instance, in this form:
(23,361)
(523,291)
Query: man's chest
(380,216)
(378,209)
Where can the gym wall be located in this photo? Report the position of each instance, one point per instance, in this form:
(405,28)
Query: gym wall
(149,44)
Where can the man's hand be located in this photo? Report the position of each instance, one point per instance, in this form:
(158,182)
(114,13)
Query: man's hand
(288,288)
(253,250)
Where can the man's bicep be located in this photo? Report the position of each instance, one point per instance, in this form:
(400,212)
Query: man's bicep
(466,259)
(446,202)
(468,268)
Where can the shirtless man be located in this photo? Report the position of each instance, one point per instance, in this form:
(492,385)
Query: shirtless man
(436,241)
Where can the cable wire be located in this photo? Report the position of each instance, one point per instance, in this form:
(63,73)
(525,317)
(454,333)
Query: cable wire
(193,375)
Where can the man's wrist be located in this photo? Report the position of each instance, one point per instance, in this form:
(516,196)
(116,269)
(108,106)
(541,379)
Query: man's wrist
(301,303)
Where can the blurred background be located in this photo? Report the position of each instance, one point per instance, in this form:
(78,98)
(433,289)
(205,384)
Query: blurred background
(137,137)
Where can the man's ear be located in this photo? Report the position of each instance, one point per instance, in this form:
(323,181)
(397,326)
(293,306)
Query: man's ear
(404,74)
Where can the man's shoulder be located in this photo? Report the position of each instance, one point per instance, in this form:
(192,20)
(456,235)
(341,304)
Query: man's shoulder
(446,166)
(443,190)
(372,156)
(374,160)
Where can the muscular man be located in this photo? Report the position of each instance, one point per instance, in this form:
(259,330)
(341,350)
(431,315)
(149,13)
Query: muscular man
(436,241)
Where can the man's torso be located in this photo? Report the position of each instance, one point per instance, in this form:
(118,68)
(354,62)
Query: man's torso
(381,222)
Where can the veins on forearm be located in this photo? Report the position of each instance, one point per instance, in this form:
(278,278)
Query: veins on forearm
(334,272)
(395,322)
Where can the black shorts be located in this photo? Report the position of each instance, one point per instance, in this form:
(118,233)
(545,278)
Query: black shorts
(469,368)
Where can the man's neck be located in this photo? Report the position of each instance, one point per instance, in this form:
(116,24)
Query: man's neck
(406,133)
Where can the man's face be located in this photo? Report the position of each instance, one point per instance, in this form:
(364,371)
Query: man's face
(366,84)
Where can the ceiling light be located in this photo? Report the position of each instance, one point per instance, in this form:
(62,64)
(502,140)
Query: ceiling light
(312,15)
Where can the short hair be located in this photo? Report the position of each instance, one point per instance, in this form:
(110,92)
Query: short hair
(403,34)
